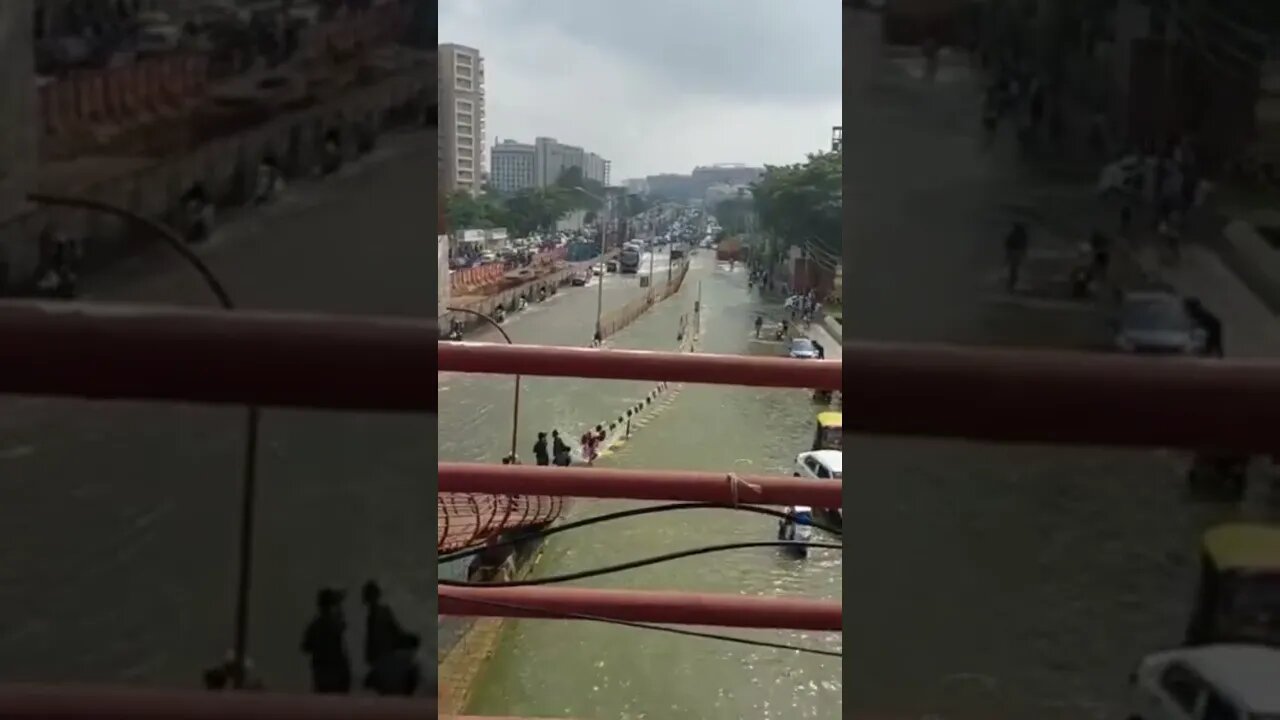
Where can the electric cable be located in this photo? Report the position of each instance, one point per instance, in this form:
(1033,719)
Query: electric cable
(642,562)
(658,628)
(619,515)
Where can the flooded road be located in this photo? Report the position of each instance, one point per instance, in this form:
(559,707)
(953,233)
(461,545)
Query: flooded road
(580,669)
(119,519)
(475,410)
(992,581)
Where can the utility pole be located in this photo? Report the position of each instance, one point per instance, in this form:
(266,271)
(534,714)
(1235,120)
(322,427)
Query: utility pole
(604,223)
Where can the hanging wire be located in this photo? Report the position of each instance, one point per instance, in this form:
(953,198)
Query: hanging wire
(544,533)
(644,562)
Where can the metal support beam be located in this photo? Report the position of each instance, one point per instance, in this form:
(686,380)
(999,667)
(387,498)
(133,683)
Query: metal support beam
(85,702)
(111,352)
(638,484)
(653,606)
(640,365)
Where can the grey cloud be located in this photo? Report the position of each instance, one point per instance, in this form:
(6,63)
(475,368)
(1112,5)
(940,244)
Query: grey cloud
(751,49)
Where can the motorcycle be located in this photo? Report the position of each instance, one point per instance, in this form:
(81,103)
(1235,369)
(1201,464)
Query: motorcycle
(500,314)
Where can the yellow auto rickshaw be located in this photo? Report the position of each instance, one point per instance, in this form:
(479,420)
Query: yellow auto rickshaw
(830,426)
(1239,595)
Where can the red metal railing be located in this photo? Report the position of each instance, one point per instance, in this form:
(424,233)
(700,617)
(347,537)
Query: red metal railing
(466,519)
(340,363)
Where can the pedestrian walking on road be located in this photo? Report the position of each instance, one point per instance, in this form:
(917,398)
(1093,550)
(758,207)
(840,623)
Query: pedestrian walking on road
(325,642)
(559,450)
(759,324)
(1209,323)
(1015,253)
(822,352)
(540,454)
(388,648)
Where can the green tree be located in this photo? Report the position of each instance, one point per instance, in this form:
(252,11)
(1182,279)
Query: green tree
(465,211)
(803,202)
(537,209)
(571,179)
(734,213)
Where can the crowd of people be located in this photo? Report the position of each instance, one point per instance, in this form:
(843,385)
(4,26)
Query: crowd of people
(555,451)
(390,652)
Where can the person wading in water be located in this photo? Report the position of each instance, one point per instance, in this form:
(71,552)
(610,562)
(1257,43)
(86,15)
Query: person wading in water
(325,641)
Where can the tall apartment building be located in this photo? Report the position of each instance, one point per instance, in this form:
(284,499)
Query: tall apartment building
(462,122)
(512,166)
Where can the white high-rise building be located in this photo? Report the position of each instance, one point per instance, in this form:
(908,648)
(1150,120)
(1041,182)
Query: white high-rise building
(462,121)
(512,166)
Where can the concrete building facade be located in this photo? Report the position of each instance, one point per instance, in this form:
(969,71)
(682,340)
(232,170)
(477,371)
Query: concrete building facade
(512,166)
(462,119)
(551,158)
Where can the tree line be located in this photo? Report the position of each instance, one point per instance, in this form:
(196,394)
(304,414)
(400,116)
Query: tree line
(799,204)
(534,209)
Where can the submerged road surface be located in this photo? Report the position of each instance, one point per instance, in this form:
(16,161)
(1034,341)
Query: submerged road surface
(119,520)
(992,581)
(586,670)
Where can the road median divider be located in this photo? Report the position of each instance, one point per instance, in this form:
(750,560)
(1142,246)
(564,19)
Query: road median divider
(619,319)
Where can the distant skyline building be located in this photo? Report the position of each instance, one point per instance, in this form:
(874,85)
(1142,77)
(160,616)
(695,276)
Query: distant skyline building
(461,142)
(516,165)
(694,186)
(512,166)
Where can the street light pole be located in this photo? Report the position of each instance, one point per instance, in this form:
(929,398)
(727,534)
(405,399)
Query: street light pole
(515,404)
(604,269)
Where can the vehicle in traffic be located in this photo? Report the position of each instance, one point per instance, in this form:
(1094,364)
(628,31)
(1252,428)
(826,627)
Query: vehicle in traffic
(629,259)
(579,279)
(822,465)
(796,527)
(1156,322)
(830,426)
(678,251)
(1238,599)
(1230,682)
(803,349)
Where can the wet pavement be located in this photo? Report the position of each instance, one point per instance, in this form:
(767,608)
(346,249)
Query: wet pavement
(476,410)
(586,670)
(120,519)
(992,581)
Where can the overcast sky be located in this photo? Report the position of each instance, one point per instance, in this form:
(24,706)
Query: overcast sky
(659,85)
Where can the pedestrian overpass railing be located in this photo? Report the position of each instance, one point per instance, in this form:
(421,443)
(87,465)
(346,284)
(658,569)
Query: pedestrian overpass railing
(114,352)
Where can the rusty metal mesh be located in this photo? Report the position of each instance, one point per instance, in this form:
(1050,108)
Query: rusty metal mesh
(468,519)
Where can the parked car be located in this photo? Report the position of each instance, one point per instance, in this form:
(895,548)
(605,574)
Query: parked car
(1210,682)
(1156,322)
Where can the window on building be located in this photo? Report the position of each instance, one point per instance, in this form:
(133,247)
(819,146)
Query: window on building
(464,130)
(463,84)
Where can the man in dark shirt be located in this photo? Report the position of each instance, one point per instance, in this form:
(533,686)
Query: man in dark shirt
(388,649)
(540,450)
(1208,322)
(326,643)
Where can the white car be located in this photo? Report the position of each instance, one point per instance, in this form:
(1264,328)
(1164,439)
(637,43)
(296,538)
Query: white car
(821,464)
(1210,682)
